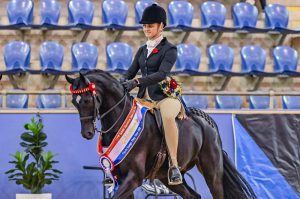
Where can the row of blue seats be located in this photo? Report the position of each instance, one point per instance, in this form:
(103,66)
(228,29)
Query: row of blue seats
(197,101)
(119,57)
(180,14)
(42,101)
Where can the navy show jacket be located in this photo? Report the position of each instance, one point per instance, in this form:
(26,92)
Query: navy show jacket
(154,68)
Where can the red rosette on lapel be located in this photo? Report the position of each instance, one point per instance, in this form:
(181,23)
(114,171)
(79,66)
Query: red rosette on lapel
(155,50)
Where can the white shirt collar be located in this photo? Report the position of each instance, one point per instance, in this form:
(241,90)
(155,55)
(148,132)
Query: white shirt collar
(154,43)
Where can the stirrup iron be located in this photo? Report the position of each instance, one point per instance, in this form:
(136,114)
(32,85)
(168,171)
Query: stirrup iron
(176,181)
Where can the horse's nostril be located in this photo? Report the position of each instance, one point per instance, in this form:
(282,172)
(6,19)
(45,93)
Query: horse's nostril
(88,135)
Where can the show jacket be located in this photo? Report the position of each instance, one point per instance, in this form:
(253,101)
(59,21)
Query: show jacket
(154,69)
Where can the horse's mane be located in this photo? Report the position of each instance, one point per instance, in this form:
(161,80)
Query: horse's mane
(105,79)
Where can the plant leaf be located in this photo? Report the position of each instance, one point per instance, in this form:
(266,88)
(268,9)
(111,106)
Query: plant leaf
(57,171)
(27,137)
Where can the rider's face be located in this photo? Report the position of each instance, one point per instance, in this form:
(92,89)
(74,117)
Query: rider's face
(153,30)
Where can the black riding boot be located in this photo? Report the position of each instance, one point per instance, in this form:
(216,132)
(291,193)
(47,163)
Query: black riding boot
(174,176)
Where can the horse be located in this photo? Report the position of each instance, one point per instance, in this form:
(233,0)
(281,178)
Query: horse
(199,142)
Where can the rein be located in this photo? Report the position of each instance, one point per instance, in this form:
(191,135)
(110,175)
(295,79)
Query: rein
(92,88)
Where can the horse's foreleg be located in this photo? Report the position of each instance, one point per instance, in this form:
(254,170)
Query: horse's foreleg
(127,186)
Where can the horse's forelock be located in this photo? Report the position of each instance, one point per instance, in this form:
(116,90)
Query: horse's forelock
(76,84)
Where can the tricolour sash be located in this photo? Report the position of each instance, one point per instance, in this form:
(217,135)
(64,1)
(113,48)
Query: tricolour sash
(123,142)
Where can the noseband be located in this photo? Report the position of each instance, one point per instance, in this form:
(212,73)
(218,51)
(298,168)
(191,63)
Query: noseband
(97,103)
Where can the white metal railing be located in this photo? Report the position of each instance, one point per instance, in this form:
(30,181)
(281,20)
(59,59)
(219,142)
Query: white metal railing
(63,93)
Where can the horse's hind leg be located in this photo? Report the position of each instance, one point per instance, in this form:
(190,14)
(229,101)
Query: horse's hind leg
(211,166)
(182,189)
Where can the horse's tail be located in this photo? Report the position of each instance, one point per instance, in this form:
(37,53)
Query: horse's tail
(234,184)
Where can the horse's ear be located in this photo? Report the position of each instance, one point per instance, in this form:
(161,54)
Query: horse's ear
(69,79)
(84,78)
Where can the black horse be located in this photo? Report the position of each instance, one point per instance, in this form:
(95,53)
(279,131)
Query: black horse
(199,142)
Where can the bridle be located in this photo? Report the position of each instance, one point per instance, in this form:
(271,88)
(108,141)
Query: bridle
(97,103)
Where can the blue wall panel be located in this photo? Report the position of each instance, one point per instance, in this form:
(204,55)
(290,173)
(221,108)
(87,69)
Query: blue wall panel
(73,152)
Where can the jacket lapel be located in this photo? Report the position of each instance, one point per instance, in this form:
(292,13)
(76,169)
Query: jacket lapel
(145,52)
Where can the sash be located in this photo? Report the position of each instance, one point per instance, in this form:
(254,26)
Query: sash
(123,142)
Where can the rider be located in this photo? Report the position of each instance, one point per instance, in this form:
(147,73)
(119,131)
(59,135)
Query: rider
(155,60)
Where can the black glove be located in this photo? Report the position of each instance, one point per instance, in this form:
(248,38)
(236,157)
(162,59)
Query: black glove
(122,80)
(130,84)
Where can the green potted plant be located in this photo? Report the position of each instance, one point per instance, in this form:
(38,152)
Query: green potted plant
(33,168)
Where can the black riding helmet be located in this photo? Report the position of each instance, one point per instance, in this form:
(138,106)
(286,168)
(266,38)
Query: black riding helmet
(154,14)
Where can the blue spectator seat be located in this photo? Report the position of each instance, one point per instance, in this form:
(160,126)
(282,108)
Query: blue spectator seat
(20,12)
(196,101)
(212,14)
(285,60)
(259,102)
(49,101)
(81,12)
(114,13)
(181,13)
(228,102)
(253,59)
(188,58)
(51,57)
(17,56)
(220,59)
(17,101)
(50,12)
(84,56)
(139,9)
(118,56)
(277,16)
(244,15)
(291,102)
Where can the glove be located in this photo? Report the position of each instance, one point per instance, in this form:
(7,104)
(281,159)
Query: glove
(130,84)
(122,80)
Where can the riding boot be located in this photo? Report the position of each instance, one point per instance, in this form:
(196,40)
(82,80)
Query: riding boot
(107,181)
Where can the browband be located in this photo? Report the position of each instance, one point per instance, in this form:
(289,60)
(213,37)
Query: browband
(91,88)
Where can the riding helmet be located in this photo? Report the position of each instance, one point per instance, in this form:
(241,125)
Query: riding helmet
(154,14)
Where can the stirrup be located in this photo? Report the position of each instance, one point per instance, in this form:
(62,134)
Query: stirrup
(177,181)
(107,182)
